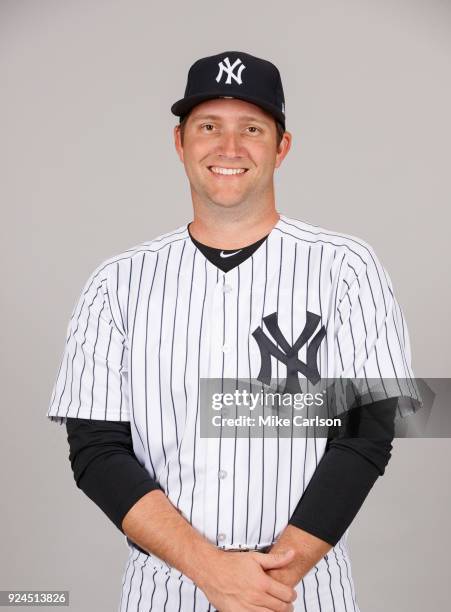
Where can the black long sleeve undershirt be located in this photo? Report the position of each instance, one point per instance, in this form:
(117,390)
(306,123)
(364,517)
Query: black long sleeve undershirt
(335,493)
(105,466)
(356,455)
(107,470)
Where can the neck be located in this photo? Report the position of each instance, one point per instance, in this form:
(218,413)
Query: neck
(232,231)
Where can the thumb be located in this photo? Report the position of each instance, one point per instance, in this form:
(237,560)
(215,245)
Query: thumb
(276,559)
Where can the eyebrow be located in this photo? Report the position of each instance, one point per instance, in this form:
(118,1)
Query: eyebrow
(218,118)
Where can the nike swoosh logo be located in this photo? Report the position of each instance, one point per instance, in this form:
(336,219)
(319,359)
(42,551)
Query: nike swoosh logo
(222,254)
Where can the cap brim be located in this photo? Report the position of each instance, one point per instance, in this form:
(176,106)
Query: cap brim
(183,106)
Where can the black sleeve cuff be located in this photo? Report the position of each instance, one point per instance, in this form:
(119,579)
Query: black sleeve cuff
(115,483)
(334,494)
(105,466)
(356,455)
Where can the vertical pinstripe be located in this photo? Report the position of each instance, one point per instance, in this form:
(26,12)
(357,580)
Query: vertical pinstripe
(151,322)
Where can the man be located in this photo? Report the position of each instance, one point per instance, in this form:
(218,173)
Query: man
(240,288)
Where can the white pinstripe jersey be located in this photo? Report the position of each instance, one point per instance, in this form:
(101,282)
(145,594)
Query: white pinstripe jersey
(153,320)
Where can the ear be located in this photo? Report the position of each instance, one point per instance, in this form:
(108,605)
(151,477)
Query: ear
(283,148)
(178,142)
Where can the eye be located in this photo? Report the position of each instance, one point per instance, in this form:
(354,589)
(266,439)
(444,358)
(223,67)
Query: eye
(252,128)
(207,125)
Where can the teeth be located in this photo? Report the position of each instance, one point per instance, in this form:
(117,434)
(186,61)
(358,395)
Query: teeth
(218,170)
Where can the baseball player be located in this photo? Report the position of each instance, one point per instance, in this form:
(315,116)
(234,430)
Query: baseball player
(240,292)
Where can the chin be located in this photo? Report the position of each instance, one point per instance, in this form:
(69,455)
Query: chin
(227,203)
(227,199)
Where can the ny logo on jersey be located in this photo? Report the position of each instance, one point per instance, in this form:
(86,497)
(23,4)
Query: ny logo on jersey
(289,354)
(226,67)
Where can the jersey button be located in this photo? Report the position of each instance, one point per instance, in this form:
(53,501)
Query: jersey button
(221,537)
(225,348)
(222,474)
(227,288)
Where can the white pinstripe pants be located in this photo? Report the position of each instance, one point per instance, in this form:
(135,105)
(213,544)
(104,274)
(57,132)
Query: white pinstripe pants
(150,586)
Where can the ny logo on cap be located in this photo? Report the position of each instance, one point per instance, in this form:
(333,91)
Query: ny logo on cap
(289,354)
(226,67)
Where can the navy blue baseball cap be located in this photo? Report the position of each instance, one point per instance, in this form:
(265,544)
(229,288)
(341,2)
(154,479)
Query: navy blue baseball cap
(234,74)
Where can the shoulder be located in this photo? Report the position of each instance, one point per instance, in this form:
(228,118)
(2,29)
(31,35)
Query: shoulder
(126,258)
(356,252)
(117,269)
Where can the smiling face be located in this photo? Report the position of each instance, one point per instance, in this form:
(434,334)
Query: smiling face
(230,152)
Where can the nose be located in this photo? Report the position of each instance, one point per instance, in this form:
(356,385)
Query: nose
(229,145)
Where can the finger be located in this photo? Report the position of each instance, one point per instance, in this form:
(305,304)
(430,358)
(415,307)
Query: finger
(277,606)
(273,603)
(272,560)
(281,591)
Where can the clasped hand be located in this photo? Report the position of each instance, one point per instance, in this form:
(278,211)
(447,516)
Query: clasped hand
(242,582)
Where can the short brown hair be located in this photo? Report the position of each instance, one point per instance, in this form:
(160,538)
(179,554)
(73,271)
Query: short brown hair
(279,127)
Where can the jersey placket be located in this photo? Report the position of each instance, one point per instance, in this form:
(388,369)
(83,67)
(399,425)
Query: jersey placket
(219,349)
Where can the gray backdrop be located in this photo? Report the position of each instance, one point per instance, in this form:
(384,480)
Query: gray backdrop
(89,169)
